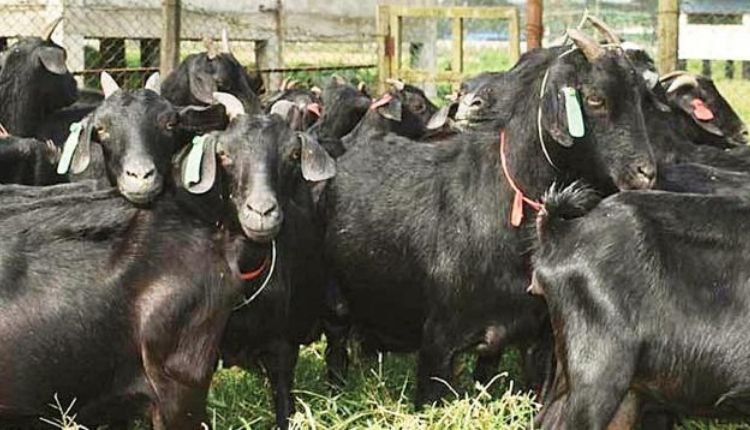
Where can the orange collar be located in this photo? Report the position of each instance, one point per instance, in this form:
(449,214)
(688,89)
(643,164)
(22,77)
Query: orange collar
(516,213)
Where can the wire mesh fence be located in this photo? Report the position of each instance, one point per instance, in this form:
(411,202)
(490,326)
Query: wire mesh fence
(123,36)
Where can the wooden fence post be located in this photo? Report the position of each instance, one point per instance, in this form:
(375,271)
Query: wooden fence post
(534,24)
(170,40)
(385,46)
(669,11)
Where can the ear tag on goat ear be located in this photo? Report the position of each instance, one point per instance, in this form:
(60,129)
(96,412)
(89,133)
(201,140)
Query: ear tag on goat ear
(573,112)
(192,174)
(69,148)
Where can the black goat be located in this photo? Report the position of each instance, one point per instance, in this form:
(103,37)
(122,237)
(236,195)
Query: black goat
(405,217)
(34,82)
(158,284)
(647,296)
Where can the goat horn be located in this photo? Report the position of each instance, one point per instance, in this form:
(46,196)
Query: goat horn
(50,28)
(671,75)
(316,90)
(232,104)
(225,41)
(590,47)
(686,80)
(292,84)
(362,87)
(609,35)
(284,84)
(338,79)
(398,85)
(210,47)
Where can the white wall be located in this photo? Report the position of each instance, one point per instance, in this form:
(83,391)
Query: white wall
(714,42)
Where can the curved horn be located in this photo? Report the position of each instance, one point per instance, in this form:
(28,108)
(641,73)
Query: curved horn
(686,80)
(609,35)
(316,90)
(225,41)
(210,47)
(292,84)
(362,87)
(398,85)
(590,47)
(671,75)
(338,79)
(50,28)
(231,103)
(284,84)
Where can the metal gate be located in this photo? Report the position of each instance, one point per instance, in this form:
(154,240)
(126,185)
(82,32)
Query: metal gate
(390,27)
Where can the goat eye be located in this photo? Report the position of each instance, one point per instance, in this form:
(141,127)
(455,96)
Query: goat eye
(296,154)
(170,125)
(595,101)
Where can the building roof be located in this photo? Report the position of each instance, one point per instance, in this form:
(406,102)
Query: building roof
(715,6)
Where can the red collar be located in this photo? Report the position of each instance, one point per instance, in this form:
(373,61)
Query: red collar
(254,274)
(516,212)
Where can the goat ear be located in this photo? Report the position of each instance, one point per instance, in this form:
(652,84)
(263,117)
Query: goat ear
(701,114)
(109,85)
(439,118)
(153,83)
(53,59)
(202,86)
(317,165)
(202,119)
(198,165)
(392,110)
(76,154)
(555,116)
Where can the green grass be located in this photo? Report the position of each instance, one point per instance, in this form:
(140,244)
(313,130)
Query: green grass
(377,396)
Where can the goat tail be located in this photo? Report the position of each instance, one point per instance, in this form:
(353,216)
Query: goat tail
(562,203)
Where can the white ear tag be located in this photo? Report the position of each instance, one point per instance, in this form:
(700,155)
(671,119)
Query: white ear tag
(69,148)
(192,173)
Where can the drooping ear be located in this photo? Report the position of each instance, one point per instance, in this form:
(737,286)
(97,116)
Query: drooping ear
(76,153)
(202,86)
(290,113)
(701,114)
(317,165)
(53,59)
(202,119)
(109,85)
(555,117)
(439,118)
(198,164)
(153,83)
(232,104)
(389,107)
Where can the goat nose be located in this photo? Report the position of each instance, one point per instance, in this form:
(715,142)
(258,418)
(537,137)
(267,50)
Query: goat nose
(140,171)
(263,206)
(476,102)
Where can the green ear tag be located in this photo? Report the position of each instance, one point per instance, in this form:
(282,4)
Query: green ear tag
(573,112)
(192,173)
(69,148)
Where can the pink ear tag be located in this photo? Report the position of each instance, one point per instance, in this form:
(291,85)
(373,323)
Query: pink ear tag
(314,108)
(701,111)
(381,101)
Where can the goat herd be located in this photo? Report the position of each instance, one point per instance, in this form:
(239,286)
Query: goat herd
(147,234)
